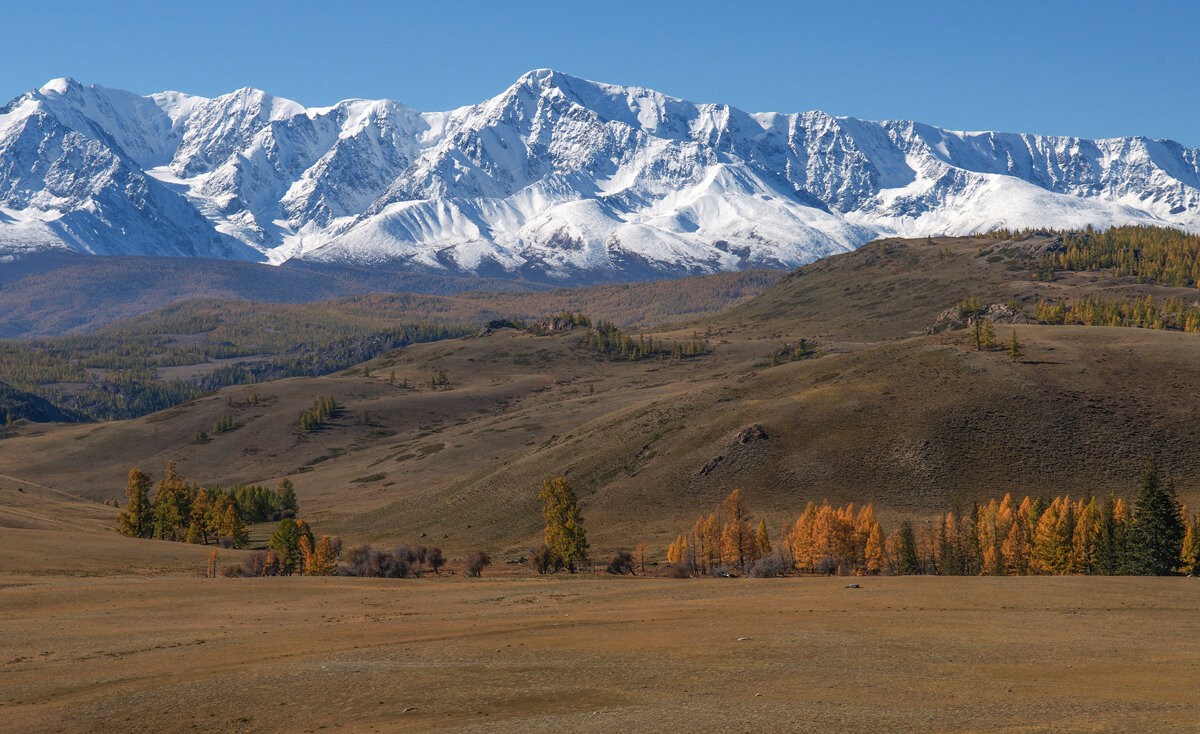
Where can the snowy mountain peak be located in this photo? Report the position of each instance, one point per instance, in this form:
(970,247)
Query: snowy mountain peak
(60,86)
(556,177)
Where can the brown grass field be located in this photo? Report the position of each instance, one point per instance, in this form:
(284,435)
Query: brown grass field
(176,653)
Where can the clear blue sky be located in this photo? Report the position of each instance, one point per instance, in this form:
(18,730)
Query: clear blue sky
(1095,69)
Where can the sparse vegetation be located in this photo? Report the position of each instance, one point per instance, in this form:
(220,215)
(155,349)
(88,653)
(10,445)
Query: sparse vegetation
(478,561)
(621,564)
(402,562)
(794,352)
(612,343)
(323,409)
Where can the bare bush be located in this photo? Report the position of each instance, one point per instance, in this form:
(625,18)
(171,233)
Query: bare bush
(679,571)
(543,560)
(723,571)
(478,561)
(827,565)
(436,560)
(365,561)
(406,553)
(768,567)
(621,564)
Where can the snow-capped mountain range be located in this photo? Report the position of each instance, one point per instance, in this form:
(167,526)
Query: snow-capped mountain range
(555,178)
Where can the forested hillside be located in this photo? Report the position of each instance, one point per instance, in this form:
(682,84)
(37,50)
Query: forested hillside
(159,359)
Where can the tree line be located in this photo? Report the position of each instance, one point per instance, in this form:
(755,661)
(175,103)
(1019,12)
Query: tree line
(1157,536)
(186,512)
(1171,313)
(611,343)
(114,375)
(1151,254)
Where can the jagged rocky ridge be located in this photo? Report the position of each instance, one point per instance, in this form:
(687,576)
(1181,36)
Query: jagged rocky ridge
(556,178)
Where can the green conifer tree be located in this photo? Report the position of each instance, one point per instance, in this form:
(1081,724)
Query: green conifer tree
(906,551)
(1156,534)
(285,541)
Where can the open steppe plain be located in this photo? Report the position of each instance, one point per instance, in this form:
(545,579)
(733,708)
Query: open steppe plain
(172,652)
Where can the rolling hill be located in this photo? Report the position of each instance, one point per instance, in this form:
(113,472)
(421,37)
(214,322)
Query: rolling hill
(914,422)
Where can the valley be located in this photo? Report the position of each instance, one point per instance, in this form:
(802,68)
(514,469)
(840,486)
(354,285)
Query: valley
(483,368)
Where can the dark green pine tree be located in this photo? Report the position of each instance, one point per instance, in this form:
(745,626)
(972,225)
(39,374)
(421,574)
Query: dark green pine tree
(906,552)
(286,542)
(1156,534)
(1109,557)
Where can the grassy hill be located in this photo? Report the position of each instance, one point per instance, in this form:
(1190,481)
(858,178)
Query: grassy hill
(156,360)
(916,423)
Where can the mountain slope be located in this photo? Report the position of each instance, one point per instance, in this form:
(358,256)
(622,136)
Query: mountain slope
(914,423)
(556,178)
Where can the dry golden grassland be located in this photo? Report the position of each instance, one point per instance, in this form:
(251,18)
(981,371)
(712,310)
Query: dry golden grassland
(172,653)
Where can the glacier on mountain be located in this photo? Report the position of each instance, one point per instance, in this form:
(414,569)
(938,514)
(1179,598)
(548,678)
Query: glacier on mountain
(556,178)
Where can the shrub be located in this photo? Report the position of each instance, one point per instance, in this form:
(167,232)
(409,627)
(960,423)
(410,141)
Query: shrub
(679,571)
(827,565)
(436,560)
(478,561)
(543,560)
(621,564)
(365,561)
(723,571)
(767,567)
(233,571)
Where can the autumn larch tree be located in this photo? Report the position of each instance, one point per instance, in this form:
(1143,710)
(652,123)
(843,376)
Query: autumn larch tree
(232,526)
(737,542)
(136,520)
(762,541)
(564,534)
(639,555)
(874,550)
(1190,556)
(171,508)
(324,558)
(287,496)
(677,551)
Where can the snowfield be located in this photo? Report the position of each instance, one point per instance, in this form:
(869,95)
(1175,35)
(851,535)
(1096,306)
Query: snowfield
(556,178)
